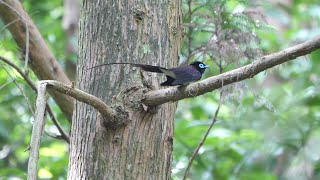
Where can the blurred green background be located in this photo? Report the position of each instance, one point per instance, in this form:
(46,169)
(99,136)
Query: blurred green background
(267,128)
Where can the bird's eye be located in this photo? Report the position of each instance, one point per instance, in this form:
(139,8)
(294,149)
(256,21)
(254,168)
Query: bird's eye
(201,65)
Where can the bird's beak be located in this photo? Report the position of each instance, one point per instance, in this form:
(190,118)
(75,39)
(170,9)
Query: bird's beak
(206,66)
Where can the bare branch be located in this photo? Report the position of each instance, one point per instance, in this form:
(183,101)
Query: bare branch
(21,90)
(44,64)
(64,135)
(54,136)
(37,131)
(17,68)
(107,112)
(158,97)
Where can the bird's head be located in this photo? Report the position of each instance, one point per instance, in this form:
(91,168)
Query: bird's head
(199,66)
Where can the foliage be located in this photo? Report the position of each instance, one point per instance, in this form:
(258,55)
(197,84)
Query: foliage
(16,118)
(268,127)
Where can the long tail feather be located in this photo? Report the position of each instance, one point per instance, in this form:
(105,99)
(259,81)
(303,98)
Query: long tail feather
(145,67)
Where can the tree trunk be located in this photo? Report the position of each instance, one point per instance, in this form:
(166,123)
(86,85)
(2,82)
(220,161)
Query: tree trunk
(147,32)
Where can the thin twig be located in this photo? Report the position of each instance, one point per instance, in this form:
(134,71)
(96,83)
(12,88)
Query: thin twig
(214,120)
(26,58)
(7,25)
(33,87)
(64,135)
(54,136)
(17,68)
(5,84)
(21,90)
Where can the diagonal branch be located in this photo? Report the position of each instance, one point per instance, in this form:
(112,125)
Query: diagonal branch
(161,96)
(107,112)
(20,89)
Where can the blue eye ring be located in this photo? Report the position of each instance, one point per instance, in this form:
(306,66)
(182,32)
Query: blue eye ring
(201,65)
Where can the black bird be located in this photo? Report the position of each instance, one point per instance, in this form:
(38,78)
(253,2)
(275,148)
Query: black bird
(175,76)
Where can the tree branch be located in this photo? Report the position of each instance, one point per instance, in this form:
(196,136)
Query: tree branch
(41,59)
(161,96)
(107,112)
(20,89)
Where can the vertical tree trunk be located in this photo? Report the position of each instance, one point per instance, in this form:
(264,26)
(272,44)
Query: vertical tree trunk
(147,32)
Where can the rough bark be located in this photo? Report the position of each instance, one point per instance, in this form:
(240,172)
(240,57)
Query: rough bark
(146,32)
(42,61)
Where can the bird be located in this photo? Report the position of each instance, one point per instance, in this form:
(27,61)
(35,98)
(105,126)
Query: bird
(175,76)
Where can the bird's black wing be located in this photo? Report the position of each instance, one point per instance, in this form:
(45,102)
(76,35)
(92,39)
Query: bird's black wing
(185,74)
